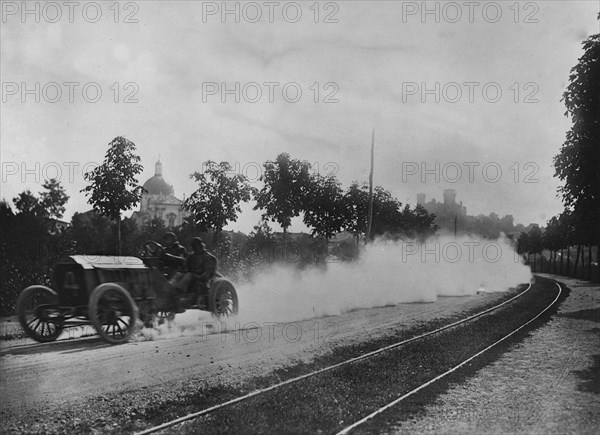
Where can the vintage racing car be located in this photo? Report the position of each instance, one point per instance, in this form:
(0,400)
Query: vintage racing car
(115,293)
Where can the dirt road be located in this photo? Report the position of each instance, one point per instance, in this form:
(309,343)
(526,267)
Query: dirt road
(85,376)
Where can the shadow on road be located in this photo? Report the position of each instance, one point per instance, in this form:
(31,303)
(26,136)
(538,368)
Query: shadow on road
(61,346)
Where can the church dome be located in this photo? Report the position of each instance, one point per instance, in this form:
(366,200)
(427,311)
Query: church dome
(157,185)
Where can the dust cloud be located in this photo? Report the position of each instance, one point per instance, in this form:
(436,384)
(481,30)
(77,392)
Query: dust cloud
(387,273)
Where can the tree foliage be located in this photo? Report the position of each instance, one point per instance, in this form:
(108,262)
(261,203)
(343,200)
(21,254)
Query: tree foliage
(53,199)
(323,206)
(35,214)
(27,204)
(286,184)
(50,203)
(217,200)
(535,241)
(113,185)
(356,206)
(418,223)
(579,158)
(30,240)
(389,218)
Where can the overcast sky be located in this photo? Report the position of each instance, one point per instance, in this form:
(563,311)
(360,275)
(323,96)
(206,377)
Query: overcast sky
(497,71)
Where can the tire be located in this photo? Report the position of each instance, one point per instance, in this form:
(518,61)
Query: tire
(112,307)
(34,309)
(224,300)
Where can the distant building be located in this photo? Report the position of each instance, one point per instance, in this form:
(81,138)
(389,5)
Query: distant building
(57,226)
(159,201)
(443,210)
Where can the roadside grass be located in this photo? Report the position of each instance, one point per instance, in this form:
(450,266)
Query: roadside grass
(330,401)
(10,329)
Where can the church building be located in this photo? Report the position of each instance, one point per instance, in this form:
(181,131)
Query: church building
(159,201)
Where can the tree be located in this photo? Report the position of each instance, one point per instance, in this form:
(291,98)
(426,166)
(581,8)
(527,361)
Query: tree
(29,241)
(53,200)
(114,187)
(356,207)
(388,216)
(262,233)
(579,158)
(535,243)
(286,182)
(217,200)
(153,229)
(35,214)
(7,216)
(323,209)
(553,239)
(28,204)
(565,228)
(418,223)
(89,232)
(523,244)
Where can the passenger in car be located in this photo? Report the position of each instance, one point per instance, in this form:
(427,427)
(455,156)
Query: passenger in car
(201,266)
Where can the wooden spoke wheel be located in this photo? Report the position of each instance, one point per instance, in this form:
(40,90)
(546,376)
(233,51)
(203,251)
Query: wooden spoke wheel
(113,313)
(37,309)
(224,299)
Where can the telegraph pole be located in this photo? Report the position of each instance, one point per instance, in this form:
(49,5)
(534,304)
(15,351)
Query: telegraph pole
(370,218)
(455,222)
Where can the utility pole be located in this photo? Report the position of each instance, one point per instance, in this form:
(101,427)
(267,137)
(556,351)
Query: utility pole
(370,218)
(455,221)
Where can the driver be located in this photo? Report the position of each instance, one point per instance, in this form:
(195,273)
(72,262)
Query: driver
(174,253)
(201,266)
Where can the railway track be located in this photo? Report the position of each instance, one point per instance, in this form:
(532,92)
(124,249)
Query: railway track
(395,402)
(259,392)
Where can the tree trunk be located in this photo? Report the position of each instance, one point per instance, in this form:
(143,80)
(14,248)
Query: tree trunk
(577,260)
(598,260)
(561,261)
(582,262)
(554,264)
(119,235)
(589,262)
(534,262)
(569,260)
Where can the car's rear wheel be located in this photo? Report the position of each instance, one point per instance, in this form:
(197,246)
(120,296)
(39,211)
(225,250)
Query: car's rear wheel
(113,313)
(224,301)
(37,309)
